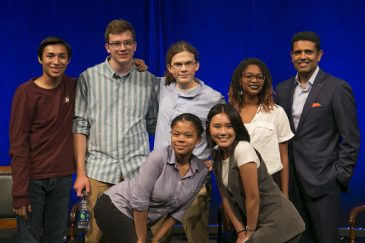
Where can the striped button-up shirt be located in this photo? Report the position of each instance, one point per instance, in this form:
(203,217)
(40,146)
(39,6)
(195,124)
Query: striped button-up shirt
(116,113)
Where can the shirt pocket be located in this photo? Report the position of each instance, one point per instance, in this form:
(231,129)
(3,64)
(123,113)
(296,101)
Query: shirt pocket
(262,133)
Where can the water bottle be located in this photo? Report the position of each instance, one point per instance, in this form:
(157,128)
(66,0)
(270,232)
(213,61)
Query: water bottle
(84,213)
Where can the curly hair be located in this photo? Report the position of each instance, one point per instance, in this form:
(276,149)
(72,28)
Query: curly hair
(235,93)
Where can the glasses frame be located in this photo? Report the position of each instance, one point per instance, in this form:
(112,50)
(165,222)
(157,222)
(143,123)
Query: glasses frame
(128,44)
(179,65)
(259,77)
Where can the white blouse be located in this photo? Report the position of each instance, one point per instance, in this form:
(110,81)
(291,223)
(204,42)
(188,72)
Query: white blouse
(267,130)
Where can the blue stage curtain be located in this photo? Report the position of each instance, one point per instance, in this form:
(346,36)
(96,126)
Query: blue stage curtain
(224,32)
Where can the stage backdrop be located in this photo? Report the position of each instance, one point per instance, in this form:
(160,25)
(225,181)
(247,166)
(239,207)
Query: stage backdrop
(224,32)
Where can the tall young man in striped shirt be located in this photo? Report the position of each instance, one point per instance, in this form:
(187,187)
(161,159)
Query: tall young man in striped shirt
(115,109)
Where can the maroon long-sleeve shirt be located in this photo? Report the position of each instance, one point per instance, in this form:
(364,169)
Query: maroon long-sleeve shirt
(41,144)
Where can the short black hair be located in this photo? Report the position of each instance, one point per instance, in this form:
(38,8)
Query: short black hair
(53,40)
(308,36)
(191,118)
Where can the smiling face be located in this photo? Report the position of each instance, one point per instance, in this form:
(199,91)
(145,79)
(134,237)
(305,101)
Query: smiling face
(183,67)
(252,80)
(305,57)
(121,48)
(184,138)
(54,61)
(221,131)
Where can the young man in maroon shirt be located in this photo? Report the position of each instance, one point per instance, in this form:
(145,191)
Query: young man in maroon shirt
(41,146)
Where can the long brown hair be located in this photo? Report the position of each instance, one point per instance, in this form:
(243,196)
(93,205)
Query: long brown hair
(175,49)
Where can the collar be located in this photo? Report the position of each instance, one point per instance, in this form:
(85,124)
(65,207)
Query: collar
(193,161)
(312,78)
(113,73)
(190,94)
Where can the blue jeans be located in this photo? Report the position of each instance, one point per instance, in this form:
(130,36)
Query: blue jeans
(47,222)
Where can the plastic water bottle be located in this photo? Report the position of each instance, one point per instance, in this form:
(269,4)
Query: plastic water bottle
(84,213)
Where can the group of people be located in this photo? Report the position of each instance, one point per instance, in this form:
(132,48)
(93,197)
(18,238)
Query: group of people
(280,159)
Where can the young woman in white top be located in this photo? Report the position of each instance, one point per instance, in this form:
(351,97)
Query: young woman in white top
(255,207)
(251,93)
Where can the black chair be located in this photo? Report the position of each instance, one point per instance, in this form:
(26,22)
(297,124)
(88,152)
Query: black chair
(7,216)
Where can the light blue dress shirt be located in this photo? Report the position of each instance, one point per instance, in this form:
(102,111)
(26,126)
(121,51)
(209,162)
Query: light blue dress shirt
(300,96)
(173,102)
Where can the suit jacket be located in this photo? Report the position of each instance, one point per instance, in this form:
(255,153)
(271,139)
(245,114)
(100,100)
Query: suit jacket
(325,147)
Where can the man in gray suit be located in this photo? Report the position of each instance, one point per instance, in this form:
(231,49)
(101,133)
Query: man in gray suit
(324,151)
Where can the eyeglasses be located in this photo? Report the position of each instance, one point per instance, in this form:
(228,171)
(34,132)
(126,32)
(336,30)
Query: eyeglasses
(251,76)
(118,44)
(179,65)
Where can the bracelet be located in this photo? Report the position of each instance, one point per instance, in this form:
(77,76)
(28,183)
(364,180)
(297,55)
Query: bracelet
(242,230)
(249,230)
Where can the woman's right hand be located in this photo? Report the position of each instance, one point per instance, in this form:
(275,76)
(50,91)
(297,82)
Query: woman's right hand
(242,237)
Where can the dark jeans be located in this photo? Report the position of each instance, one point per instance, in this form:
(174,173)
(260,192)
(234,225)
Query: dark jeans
(47,222)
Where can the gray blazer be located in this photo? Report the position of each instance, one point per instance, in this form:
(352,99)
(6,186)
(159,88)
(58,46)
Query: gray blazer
(278,220)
